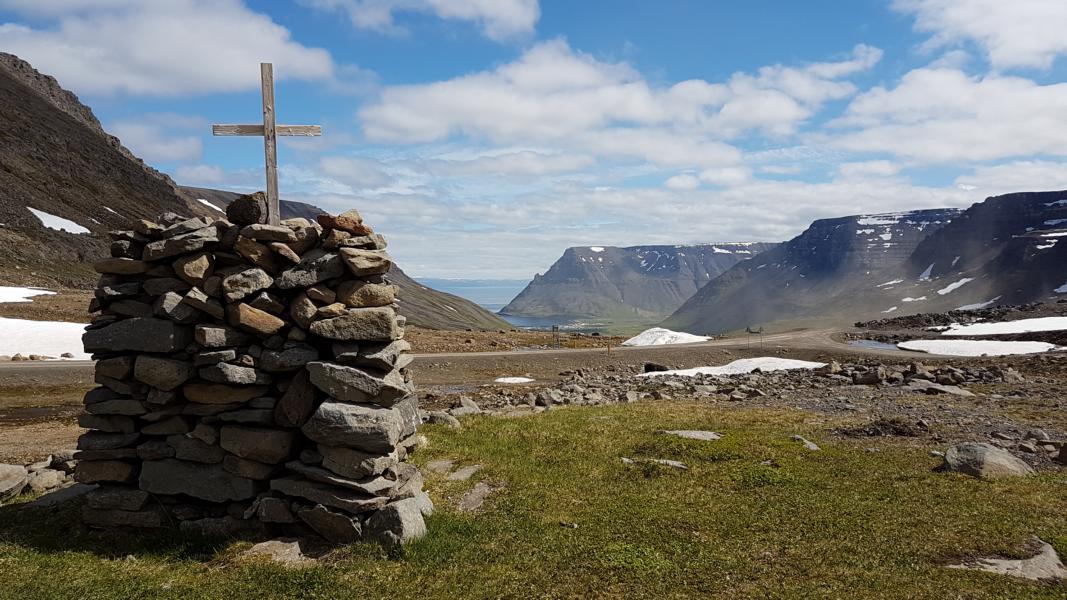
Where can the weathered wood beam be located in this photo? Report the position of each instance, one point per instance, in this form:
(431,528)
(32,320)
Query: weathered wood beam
(255,130)
(270,143)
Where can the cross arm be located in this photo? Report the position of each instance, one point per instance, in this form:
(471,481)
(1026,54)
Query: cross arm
(297,130)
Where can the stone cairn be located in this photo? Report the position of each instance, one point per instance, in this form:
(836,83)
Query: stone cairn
(252,381)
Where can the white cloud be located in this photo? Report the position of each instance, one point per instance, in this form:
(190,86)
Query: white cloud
(554,95)
(1021,176)
(870,168)
(1013,33)
(727,176)
(161,137)
(360,173)
(155,48)
(498,19)
(199,175)
(685,181)
(511,162)
(944,115)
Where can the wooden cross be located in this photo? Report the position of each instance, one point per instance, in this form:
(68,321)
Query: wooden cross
(269,130)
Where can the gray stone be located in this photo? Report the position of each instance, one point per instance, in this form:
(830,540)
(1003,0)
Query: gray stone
(1044,565)
(314,267)
(440,417)
(291,358)
(361,426)
(221,527)
(218,393)
(119,406)
(352,384)
(104,471)
(984,461)
(137,335)
(220,336)
(172,306)
(356,464)
(182,244)
(252,320)
(155,450)
(157,286)
(227,373)
(302,310)
(107,423)
(263,445)
(143,519)
(327,495)
(190,448)
(369,486)
(117,498)
(248,209)
(930,387)
(384,356)
(249,416)
(214,357)
(171,426)
(206,482)
(268,302)
(274,510)
(119,367)
(335,527)
(286,553)
(808,445)
(297,403)
(238,285)
(365,262)
(62,495)
(199,300)
(194,269)
(463,473)
(370,324)
(242,467)
(693,434)
(13,479)
(94,440)
(163,373)
(268,233)
(396,524)
(362,294)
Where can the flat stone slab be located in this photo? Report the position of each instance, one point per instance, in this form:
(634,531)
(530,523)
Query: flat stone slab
(443,465)
(692,434)
(472,501)
(62,495)
(464,473)
(1046,564)
(674,464)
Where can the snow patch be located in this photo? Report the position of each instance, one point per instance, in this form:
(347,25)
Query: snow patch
(1054,222)
(910,299)
(948,289)
(513,380)
(658,336)
(50,338)
(744,365)
(57,223)
(208,204)
(1062,289)
(889,310)
(1019,326)
(891,219)
(979,305)
(925,276)
(21,294)
(1057,203)
(894,282)
(977,347)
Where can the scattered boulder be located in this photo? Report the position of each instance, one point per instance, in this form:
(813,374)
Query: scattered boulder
(984,461)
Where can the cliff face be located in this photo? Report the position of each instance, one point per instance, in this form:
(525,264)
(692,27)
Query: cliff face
(632,282)
(1007,249)
(56,159)
(802,277)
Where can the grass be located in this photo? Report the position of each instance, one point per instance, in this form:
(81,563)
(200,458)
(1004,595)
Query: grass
(755,515)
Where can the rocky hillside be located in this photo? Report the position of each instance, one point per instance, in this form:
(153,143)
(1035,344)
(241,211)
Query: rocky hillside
(835,266)
(57,160)
(1008,249)
(627,283)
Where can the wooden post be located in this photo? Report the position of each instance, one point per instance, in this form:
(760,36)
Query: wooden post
(270,143)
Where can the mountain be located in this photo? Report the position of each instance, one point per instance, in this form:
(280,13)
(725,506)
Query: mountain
(55,158)
(1006,249)
(639,282)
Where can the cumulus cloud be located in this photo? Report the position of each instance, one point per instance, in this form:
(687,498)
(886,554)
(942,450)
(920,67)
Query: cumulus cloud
(511,162)
(1019,176)
(498,19)
(553,94)
(945,115)
(199,175)
(360,173)
(875,168)
(173,48)
(684,181)
(1012,33)
(162,138)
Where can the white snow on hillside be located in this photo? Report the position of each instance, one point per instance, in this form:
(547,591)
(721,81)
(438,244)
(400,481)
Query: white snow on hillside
(513,380)
(894,282)
(925,276)
(910,299)
(50,338)
(57,223)
(208,204)
(658,336)
(744,365)
(1057,203)
(1062,289)
(21,294)
(1055,222)
(1020,326)
(948,289)
(596,248)
(976,347)
(889,219)
(979,305)
(890,309)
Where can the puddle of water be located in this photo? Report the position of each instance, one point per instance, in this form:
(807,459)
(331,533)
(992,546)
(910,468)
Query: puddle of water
(35,414)
(873,345)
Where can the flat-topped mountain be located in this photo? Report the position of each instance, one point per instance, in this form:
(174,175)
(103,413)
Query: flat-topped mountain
(637,282)
(1008,249)
(803,277)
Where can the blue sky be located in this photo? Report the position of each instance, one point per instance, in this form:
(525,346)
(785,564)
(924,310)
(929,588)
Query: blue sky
(485,136)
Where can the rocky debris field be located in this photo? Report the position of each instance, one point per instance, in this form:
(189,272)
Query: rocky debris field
(51,473)
(996,313)
(1018,406)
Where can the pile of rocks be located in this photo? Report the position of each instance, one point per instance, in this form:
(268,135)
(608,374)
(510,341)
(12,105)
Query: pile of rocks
(252,379)
(42,476)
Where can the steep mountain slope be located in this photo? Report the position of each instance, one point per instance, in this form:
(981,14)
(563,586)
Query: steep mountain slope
(56,159)
(423,306)
(626,283)
(834,266)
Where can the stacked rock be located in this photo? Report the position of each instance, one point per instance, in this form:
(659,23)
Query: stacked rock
(252,379)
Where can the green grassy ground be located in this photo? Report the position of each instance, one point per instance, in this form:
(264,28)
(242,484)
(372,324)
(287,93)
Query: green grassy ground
(755,515)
